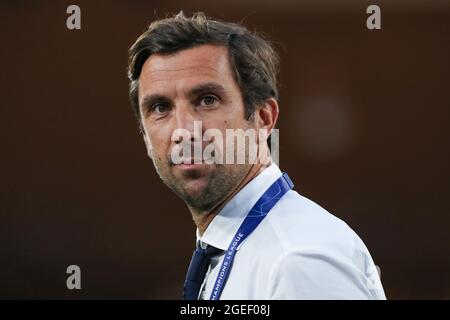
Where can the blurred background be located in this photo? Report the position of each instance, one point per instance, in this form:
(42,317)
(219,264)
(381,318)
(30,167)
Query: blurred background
(364,132)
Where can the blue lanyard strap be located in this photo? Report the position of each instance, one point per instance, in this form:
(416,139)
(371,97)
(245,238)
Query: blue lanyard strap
(257,213)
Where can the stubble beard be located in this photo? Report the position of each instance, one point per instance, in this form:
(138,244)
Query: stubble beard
(221,183)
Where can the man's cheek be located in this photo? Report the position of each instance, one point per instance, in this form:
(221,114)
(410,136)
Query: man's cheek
(149,146)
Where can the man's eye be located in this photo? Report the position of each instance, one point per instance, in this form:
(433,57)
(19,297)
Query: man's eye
(160,108)
(208,100)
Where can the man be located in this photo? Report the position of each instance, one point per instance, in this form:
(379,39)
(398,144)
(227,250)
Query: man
(256,238)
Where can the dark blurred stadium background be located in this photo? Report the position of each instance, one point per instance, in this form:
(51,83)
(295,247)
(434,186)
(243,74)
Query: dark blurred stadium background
(364,131)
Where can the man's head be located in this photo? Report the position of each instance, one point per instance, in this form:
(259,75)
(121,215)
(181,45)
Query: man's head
(186,69)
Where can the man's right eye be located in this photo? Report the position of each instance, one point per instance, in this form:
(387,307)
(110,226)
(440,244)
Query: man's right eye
(160,108)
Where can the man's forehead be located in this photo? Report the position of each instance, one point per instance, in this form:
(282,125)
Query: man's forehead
(206,59)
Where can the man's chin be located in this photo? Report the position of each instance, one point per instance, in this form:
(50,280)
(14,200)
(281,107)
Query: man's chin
(195,194)
(195,187)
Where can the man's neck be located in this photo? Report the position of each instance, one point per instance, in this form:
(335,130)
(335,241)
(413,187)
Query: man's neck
(203,219)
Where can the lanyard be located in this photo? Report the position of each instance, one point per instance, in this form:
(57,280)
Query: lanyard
(257,213)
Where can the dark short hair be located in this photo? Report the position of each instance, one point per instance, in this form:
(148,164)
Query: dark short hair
(253,60)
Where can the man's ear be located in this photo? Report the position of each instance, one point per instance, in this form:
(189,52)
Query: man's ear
(268,115)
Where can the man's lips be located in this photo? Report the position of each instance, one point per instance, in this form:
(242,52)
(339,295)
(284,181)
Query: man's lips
(191,166)
(189,162)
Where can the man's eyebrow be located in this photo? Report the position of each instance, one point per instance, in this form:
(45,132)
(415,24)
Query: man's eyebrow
(207,87)
(152,99)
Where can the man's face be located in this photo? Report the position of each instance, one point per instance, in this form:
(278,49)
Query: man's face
(175,90)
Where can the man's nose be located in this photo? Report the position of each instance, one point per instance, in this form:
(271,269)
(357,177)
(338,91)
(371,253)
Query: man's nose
(187,119)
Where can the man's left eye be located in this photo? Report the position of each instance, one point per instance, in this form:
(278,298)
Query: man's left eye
(208,100)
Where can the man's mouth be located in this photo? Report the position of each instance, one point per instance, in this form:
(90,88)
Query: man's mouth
(189,163)
(192,161)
